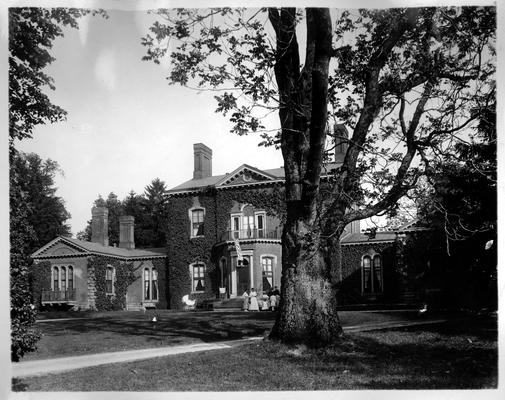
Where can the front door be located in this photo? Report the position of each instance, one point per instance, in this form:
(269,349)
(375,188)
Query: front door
(243,276)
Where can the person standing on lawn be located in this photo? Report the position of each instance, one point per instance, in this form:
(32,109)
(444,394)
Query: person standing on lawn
(245,304)
(253,306)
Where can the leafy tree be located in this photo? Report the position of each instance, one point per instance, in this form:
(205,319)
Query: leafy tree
(23,336)
(403,80)
(31,34)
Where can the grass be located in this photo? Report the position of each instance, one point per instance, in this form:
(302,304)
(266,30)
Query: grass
(116,331)
(453,355)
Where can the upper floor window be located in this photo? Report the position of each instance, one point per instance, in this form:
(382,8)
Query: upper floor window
(249,223)
(150,284)
(197,277)
(197,217)
(109,280)
(372,274)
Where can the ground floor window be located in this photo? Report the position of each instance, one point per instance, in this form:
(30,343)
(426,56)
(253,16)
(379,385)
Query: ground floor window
(267,273)
(150,284)
(197,277)
(109,280)
(63,278)
(371,274)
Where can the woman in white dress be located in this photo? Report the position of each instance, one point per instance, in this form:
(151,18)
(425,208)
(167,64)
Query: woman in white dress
(253,304)
(245,304)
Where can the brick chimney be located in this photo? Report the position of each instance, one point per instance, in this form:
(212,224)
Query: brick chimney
(100,225)
(341,142)
(203,161)
(126,226)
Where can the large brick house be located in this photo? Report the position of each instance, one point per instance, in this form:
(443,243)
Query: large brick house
(223,237)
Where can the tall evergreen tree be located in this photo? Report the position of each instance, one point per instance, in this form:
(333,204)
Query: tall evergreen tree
(47,213)
(155,206)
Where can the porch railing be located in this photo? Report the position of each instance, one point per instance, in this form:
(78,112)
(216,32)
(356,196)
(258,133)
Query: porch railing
(60,296)
(251,234)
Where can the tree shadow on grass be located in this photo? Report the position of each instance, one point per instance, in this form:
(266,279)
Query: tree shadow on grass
(435,357)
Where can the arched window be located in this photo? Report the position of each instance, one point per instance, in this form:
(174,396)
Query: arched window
(70,278)
(377,273)
(63,278)
(56,280)
(371,274)
(150,284)
(367,275)
(267,273)
(154,284)
(147,285)
(109,280)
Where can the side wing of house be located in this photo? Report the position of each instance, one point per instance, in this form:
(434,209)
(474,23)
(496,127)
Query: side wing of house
(60,275)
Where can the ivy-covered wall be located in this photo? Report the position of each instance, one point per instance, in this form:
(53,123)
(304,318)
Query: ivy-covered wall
(124,276)
(350,287)
(183,250)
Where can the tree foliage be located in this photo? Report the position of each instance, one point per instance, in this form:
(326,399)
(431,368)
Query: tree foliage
(408,83)
(32,32)
(463,197)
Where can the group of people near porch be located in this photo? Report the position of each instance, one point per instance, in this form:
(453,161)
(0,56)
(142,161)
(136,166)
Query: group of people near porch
(261,302)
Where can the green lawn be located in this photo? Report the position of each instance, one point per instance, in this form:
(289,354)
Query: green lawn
(456,355)
(115,331)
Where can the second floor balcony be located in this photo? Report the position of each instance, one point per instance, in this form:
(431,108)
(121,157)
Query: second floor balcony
(243,234)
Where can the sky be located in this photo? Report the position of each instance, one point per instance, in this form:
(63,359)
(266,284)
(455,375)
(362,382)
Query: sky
(125,125)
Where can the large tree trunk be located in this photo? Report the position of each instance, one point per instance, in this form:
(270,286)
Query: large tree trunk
(308,295)
(308,307)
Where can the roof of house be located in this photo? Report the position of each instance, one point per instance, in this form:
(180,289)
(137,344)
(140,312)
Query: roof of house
(91,248)
(361,238)
(222,181)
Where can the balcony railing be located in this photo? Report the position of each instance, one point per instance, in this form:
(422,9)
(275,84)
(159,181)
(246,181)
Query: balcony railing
(251,234)
(58,296)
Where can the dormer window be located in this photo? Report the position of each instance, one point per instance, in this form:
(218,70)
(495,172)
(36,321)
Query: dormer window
(197,217)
